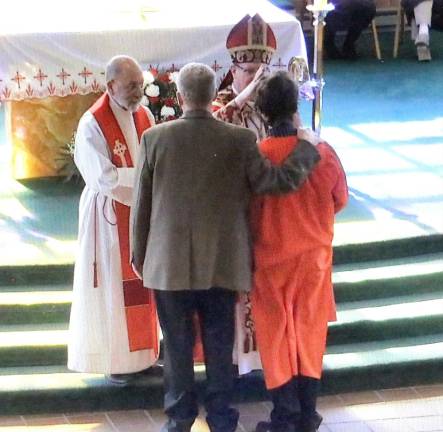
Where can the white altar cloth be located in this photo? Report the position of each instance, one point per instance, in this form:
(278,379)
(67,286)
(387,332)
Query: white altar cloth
(51,48)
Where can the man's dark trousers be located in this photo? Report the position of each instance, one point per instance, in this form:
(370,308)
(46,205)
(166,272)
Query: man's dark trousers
(215,308)
(354,16)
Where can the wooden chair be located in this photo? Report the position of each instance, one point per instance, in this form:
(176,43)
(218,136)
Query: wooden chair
(389,8)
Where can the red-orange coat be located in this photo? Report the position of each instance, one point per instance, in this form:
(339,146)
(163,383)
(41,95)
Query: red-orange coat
(293,298)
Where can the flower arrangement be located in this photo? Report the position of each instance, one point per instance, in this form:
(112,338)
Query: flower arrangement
(68,169)
(160,91)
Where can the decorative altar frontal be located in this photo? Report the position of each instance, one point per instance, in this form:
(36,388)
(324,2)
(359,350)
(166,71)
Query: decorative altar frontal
(51,57)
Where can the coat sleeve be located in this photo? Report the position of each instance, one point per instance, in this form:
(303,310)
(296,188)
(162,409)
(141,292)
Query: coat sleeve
(337,177)
(142,204)
(93,160)
(264,177)
(340,191)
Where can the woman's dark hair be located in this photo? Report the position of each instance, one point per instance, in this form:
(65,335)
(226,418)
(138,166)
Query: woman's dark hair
(277,97)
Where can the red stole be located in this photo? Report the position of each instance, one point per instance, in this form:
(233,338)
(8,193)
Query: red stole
(141,315)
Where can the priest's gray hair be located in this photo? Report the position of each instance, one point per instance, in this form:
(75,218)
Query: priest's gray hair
(196,84)
(118,65)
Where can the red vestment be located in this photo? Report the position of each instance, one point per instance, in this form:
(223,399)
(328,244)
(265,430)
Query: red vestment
(141,315)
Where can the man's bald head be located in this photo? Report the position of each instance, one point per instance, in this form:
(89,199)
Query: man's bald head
(124,80)
(119,65)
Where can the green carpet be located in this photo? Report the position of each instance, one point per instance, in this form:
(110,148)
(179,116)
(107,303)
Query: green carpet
(377,301)
(350,368)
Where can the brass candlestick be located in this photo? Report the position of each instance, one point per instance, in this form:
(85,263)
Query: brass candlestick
(319,10)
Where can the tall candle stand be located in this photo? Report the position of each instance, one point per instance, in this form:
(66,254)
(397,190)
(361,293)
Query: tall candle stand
(319,10)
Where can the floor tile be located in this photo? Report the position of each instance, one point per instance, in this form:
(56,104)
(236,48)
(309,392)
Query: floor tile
(417,408)
(339,415)
(333,401)
(391,410)
(360,398)
(425,424)
(11,421)
(375,411)
(94,422)
(90,417)
(133,421)
(390,425)
(268,406)
(248,423)
(404,393)
(256,408)
(157,419)
(38,420)
(430,390)
(349,427)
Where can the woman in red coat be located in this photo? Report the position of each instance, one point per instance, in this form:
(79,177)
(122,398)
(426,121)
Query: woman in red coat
(292,299)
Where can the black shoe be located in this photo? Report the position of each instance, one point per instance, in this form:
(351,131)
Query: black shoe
(121,379)
(154,370)
(349,52)
(263,426)
(332,52)
(311,424)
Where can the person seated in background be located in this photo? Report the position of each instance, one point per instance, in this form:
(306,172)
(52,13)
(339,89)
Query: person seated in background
(292,296)
(352,16)
(422,14)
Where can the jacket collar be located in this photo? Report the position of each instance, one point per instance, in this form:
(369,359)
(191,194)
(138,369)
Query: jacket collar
(283,128)
(198,113)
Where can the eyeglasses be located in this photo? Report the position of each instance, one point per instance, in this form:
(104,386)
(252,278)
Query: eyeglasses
(251,70)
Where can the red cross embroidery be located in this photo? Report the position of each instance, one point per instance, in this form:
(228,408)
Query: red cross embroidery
(18,78)
(85,74)
(279,64)
(6,93)
(63,75)
(216,67)
(95,86)
(29,90)
(40,77)
(73,87)
(51,88)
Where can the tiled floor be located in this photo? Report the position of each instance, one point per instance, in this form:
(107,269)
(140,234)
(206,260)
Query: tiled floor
(413,409)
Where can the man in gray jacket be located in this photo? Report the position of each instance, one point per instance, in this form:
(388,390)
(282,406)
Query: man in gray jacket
(191,239)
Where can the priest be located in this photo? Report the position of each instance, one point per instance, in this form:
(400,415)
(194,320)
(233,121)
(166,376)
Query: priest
(113,325)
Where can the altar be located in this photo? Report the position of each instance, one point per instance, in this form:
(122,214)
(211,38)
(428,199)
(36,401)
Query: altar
(52,60)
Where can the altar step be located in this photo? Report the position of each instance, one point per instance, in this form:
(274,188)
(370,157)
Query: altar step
(363,321)
(388,279)
(38,304)
(33,276)
(389,333)
(376,301)
(350,367)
